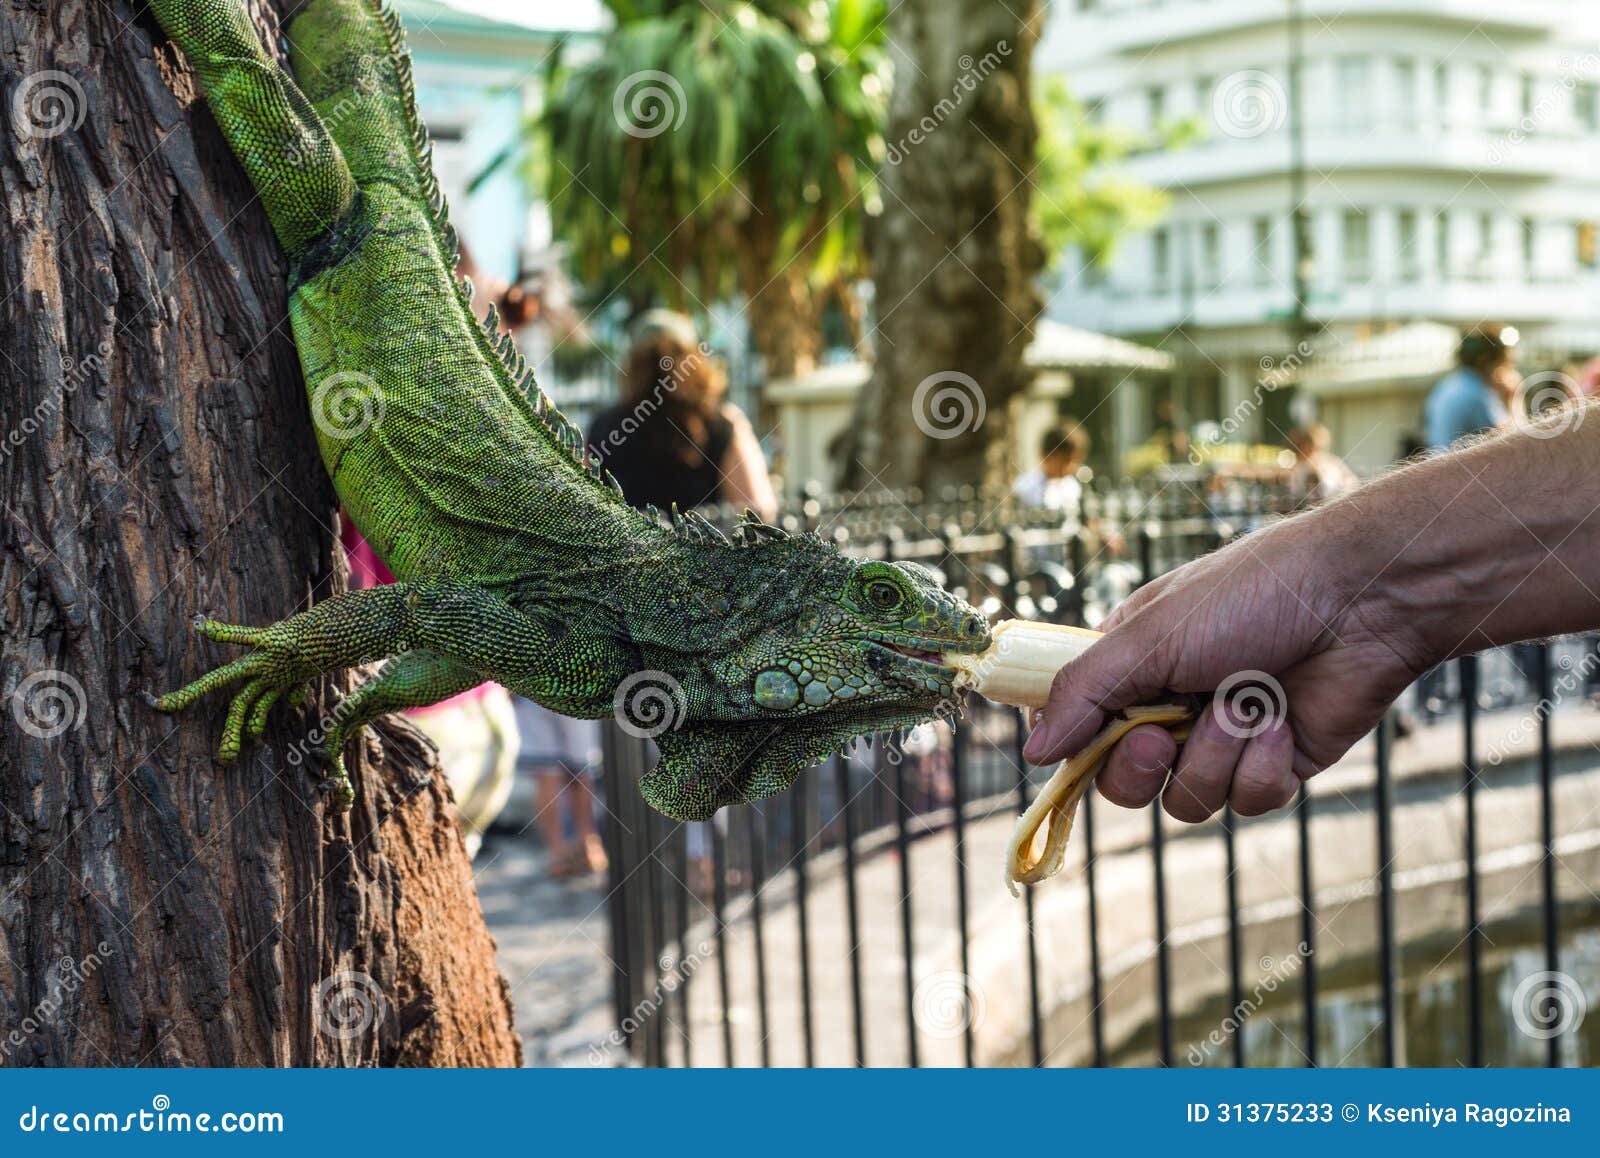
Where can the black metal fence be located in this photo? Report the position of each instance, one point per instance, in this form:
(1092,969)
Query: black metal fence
(693,907)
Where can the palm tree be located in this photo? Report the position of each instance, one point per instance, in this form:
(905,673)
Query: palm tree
(990,176)
(719,147)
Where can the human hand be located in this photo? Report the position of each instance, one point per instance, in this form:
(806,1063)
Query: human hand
(1311,664)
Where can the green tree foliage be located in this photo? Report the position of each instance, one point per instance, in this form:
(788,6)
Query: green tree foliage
(718,147)
(710,145)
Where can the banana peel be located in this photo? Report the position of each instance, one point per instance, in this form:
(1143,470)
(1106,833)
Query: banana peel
(1018,669)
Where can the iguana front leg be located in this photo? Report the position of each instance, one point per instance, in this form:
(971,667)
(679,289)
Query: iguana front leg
(284,146)
(456,636)
(349,630)
(413,680)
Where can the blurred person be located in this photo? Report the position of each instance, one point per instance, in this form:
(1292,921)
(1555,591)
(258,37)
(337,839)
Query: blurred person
(1054,483)
(1169,433)
(1318,474)
(1479,394)
(1474,398)
(562,755)
(674,437)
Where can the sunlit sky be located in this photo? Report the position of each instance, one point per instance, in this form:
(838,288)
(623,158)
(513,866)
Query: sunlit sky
(565,14)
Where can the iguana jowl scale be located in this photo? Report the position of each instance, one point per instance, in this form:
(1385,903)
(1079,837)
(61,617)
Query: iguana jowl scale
(517,558)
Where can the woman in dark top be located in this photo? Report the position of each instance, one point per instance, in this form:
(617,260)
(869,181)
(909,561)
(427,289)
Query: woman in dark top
(674,438)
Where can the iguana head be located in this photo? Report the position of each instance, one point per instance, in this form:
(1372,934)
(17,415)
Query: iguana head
(829,649)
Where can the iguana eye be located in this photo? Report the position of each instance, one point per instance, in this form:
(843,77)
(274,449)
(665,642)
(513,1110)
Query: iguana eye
(883,595)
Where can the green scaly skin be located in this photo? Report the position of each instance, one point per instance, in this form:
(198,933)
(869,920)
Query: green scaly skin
(517,559)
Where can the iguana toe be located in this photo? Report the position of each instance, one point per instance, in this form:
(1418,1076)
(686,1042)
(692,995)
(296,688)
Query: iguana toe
(335,780)
(238,715)
(228,632)
(258,715)
(341,793)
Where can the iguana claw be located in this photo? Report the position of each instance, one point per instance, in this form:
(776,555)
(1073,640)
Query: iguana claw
(336,782)
(341,793)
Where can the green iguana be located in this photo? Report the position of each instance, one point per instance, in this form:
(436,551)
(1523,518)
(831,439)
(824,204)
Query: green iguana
(517,558)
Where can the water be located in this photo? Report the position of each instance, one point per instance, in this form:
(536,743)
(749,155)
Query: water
(1520,1003)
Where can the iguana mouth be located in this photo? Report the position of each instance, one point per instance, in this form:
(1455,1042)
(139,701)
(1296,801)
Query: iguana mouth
(922,668)
(917,653)
(924,649)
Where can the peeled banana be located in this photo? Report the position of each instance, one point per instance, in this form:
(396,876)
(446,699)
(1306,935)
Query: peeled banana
(1018,669)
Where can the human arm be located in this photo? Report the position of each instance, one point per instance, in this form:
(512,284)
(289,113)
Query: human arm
(745,482)
(1340,608)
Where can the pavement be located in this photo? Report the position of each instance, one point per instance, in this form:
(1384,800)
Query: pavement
(553,939)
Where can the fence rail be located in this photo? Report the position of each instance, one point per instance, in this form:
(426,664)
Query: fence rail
(693,907)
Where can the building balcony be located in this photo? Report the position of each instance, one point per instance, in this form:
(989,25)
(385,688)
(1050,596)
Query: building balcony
(1112,26)
(1395,146)
(1120,309)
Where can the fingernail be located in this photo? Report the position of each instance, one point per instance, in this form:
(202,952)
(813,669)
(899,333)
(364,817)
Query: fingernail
(1043,741)
(1147,753)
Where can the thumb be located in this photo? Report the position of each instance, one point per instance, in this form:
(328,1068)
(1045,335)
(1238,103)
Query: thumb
(1119,671)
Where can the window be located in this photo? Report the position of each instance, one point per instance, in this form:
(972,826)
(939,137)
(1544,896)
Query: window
(1156,99)
(1161,260)
(1586,244)
(1405,92)
(1530,249)
(1410,256)
(1354,91)
(1530,95)
(1210,255)
(1485,89)
(1441,94)
(1442,257)
(1584,106)
(1357,245)
(1262,257)
(1484,265)
(1204,87)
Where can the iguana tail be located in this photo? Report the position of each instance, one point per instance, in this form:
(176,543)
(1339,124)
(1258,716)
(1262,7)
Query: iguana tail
(349,58)
(285,147)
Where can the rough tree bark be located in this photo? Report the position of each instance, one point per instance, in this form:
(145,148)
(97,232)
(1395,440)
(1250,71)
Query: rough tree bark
(785,326)
(158,460)
(784,323)
(955,256)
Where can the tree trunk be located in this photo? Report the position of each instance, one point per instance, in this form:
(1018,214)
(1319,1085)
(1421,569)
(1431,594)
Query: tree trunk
(158,460)
(785,323)
(955,256)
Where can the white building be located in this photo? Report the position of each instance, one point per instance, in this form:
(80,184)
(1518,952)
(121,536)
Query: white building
(1073,371)
(480,67)
(1451,174)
